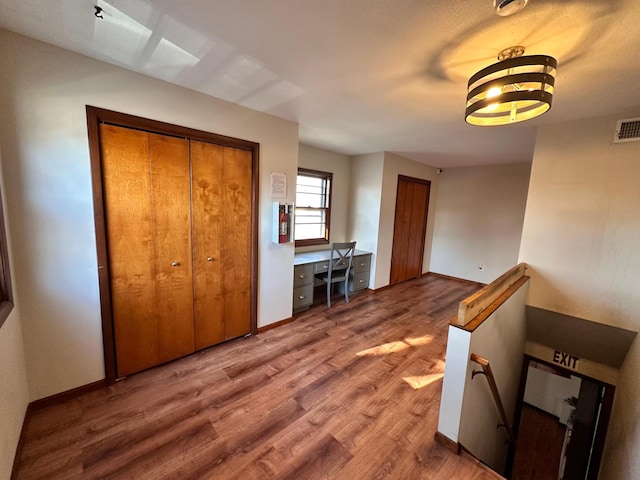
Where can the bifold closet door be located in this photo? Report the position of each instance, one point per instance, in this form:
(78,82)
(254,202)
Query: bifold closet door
(412,204)
(146,186)
(221,207)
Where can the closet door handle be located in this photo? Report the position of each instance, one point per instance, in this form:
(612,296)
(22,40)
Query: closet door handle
(209,259)
(174,264)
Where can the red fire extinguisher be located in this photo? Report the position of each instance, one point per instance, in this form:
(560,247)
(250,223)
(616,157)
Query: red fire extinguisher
(283,225)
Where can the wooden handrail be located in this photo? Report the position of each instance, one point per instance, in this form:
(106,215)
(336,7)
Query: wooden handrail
(472,306)
(486,371)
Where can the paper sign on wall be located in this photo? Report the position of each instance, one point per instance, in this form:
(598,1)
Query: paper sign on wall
(278,185)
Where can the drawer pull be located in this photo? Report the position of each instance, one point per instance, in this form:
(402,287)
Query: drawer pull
(362,264)
(302,275)
(361,281)
(325,266)
(301,297)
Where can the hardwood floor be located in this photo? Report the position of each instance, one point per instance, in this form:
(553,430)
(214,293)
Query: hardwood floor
(539,446)
(350,392)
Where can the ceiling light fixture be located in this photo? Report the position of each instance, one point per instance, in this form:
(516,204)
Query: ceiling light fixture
(515,89)
(505,8)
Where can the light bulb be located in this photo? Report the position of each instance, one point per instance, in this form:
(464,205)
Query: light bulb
(494,92)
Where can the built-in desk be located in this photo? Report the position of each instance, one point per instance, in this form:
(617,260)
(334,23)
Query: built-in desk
(307,265)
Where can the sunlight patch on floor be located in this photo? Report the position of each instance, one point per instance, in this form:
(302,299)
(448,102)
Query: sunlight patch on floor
(421,381)
(392,347)
(417,341)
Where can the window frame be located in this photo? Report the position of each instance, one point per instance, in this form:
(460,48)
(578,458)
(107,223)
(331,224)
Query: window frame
(328,177)
(6,292)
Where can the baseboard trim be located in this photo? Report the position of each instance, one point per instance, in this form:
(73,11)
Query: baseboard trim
(66,395)
(449,277)
(447,443)
(380,289)
(271,326)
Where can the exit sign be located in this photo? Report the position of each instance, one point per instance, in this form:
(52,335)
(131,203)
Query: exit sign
(566,360)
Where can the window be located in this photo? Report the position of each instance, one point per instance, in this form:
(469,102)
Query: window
(6,296)
(313,207)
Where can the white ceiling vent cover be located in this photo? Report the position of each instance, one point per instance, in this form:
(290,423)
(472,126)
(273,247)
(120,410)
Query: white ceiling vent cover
(627,130)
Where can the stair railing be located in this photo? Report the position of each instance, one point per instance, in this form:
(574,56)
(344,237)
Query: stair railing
(486,371)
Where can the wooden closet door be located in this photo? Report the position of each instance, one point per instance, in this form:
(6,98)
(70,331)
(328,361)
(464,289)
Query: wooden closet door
(221,184)
(412,204)
(146,195)
(171,210)
(237,242)
(127,187)
(207,184)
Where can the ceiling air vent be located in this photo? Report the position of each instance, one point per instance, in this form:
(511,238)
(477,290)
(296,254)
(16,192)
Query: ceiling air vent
(627,130)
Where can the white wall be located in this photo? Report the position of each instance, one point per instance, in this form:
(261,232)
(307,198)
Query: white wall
(14,395)
(44,136)
(547,391)
(621,460)
(500,339)
(478,220)
(374,185)
(395,165)
(364,205)
(581,239)
(340,165)
(455,376)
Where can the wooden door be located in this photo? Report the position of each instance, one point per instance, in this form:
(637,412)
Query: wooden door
(147,208)
(153,274)
(222,215)
(237,246)
(412,205)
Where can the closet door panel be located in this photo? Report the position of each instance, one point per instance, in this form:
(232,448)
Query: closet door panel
(412,204)
(171,210)
(417,230)
(237,244)
(127,197)
(401,232)
(207,162)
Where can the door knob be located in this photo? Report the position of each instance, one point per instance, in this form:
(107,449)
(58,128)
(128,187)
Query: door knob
(174,264)
(209,259)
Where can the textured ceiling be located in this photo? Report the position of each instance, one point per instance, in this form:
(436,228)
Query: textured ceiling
(360,76)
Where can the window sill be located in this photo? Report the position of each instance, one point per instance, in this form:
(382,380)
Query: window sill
(311,242)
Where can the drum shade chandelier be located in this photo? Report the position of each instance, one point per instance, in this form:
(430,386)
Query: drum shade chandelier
(515,89)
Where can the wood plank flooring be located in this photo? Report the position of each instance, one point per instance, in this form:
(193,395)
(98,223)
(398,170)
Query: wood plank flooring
(351,392)
(539,445)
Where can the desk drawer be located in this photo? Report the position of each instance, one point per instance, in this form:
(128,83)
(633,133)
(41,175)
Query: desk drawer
(321,267)
(362,263)
(302,297)
(302,275)
(360,281)
(324,266)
